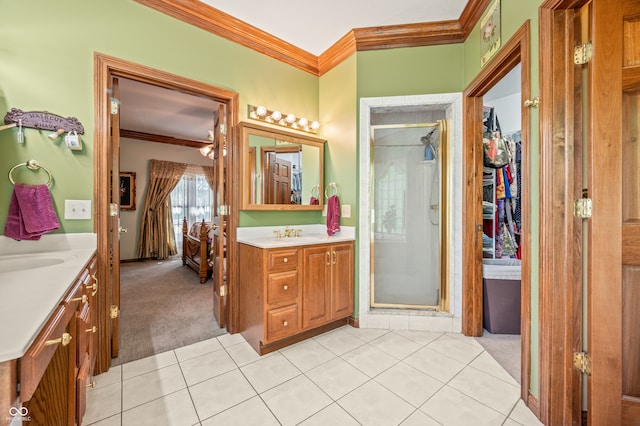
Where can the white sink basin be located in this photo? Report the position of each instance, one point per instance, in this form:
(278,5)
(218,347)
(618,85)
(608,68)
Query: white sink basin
(24,262)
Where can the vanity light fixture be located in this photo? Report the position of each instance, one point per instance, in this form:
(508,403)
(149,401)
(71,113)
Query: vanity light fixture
(285,120)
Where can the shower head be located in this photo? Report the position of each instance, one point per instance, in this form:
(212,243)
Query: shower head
(432,139)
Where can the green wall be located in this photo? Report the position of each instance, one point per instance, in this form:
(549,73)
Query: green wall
(47,65)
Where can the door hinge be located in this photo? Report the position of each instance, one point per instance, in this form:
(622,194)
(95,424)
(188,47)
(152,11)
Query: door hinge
(582,208)
(113,311)
(115,106)
(582,362)
(223,290)
(224,210)
(583,53)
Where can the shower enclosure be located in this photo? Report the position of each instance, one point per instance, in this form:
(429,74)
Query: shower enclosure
(407,215)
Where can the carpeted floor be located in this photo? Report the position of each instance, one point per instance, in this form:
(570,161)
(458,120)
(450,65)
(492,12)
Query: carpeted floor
(504,348)
(163,306)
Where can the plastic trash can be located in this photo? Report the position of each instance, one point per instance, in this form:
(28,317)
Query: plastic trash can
(501,295)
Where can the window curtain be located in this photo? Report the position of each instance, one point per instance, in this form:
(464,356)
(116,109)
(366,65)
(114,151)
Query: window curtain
(157,238)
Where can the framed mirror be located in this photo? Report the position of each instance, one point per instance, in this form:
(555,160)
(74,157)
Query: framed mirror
(282,170)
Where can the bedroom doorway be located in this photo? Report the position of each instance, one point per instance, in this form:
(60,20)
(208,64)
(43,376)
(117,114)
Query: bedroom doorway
(107,164)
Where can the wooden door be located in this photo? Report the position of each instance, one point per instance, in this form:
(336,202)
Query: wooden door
(341,280)
(115,218)
(316,290)
(278,186)
(219,249)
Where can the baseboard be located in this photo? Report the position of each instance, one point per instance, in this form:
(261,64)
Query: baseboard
(132,260)
(354,322)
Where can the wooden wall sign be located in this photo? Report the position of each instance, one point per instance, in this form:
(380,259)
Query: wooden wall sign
(43,120)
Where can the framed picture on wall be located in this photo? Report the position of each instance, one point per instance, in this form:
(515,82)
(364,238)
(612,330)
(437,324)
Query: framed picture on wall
(127,190)
(490,39)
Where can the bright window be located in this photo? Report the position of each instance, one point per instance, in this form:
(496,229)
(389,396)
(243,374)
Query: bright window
(192,198)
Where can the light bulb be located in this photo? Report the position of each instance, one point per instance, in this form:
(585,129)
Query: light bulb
(261,111)
(291,118)
(315,125)
(276,115)
(205,150)
(303,122)
(212,155)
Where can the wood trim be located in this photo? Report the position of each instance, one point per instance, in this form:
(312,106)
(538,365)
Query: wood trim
(354,322)
(224,25)
(150,137)
(104,68)
(630,76)
(516,50)
(533,404)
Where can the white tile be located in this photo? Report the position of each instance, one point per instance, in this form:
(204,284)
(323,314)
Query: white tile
(497,394)
(337,377)
(307,355)
(379,321)
(457,325)
(114,375)
(410,384)
(339,341)
(452,408)
(175,409)
(191,351)
(419,336)
(510,422)
(455,348)
(396,345)
(204,367)
(485,362)
(418,418)
(435,364)
(523,415)
(373,404)
(467,339)
(103,402)
(145,365)
(363,321)
(269,372)
(154,384)
(227,340)
(332,415)
(399,322)
(111,421)
(243,354)
(295,400)
(419,322)
(252,412)
(215,395)
(444,324)
(370,360)
(366,334)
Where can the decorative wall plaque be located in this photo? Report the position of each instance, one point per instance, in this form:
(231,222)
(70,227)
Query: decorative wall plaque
(43,120)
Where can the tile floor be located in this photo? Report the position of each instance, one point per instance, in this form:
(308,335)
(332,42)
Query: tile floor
(348,376)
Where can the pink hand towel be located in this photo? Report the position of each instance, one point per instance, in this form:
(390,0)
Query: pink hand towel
(313,201)
(31,213)
(333,215)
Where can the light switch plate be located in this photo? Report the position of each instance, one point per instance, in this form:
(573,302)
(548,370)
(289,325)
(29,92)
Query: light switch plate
(345,210)
(77,209)
(324,210)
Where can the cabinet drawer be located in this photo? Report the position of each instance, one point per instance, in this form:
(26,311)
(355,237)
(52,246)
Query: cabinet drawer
(282,287)
(282,322)
(280,259)
(36,360)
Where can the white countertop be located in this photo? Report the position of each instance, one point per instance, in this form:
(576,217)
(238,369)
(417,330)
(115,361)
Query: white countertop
(264,237)
(29,296)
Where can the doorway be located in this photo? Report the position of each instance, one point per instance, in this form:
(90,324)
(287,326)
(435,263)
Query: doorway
(106,150)
(514,52)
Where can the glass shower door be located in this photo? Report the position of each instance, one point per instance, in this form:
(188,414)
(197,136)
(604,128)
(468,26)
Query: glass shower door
(406,200)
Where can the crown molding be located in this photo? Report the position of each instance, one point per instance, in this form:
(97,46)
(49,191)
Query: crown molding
(224,25)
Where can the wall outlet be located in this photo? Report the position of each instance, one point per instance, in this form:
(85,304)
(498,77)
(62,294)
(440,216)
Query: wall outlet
(345,210)
(77,209)
(324,210)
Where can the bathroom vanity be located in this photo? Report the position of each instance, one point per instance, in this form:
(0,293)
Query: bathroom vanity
(47,308)
(293,288)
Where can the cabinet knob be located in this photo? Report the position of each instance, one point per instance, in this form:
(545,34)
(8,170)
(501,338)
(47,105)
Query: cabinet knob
(94,286)
(82,299)
(285,323)
(65,340)
(92,384)
(285,260)
(285,287)
(92,329)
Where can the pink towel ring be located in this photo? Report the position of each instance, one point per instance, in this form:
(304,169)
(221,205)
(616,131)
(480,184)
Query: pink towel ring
(31,165)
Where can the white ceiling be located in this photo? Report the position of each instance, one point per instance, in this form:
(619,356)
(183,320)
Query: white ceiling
(315,26)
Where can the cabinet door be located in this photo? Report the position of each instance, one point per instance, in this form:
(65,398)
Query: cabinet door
(341,280)
(316,293)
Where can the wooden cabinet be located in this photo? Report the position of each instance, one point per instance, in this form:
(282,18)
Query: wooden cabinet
(289,294)
(55,371)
